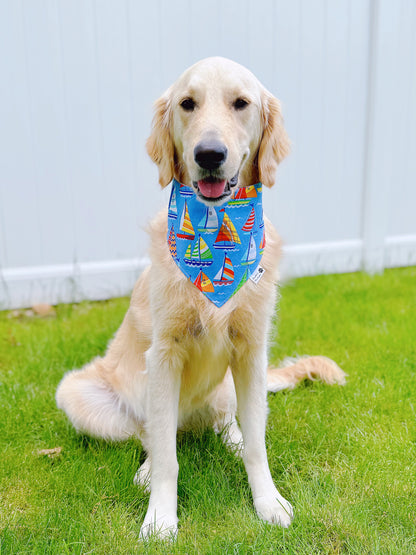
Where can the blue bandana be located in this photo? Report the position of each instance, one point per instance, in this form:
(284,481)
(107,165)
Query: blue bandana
(218,248)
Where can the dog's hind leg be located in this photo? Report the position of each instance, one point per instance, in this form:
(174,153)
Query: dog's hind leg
(93,406)
(230,433)
(223,404)
(143,474)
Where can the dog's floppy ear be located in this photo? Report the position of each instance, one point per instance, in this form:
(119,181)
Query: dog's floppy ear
(160,145)
(275,144)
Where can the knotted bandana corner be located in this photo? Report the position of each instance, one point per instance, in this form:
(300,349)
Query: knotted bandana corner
(218,248)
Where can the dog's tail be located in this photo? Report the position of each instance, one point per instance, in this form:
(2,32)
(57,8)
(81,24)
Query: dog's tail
(294,370)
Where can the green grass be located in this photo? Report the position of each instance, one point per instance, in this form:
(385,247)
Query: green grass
(344,456)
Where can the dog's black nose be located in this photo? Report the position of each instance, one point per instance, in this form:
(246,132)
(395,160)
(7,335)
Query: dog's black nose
(210,155)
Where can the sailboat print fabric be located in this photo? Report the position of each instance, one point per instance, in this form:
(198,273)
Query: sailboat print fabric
(217,248)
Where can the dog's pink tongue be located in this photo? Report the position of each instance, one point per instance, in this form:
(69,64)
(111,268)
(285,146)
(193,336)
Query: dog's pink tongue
(212,190)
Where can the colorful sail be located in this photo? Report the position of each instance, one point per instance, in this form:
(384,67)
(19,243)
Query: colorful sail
(251,253)
(172,243)
(188,255)
(248,226)
(262,243)
(200,255)
(209,222)
(186,231)
(227,236)
(225,275)
(203,283)
(243,196)
(173,211)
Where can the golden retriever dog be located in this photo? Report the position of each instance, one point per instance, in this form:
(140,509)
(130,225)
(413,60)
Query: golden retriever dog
(179,361)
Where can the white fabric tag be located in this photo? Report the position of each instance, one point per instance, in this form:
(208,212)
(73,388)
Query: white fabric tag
(257,274)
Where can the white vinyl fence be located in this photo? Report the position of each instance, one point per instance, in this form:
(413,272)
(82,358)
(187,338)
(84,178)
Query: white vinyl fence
(77,83)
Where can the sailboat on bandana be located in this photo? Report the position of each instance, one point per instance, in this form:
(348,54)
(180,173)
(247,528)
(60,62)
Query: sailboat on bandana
(251,253)
(200,255)
(242,282)
(243,196)
(173,211)
(225,276)
(186,231)
(248,226)
(227,237)
(209,222)
(203,283)
(262,243)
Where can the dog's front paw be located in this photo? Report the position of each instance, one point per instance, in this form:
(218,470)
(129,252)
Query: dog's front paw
(161,526)
(274,509)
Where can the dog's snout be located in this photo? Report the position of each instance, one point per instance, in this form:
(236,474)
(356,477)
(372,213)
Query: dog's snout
(210,155)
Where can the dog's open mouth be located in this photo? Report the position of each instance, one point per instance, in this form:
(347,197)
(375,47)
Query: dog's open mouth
(213,189)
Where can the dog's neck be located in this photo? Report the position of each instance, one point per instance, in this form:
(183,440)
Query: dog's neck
(217,248)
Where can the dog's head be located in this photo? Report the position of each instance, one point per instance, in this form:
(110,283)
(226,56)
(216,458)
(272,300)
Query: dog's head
(217,128)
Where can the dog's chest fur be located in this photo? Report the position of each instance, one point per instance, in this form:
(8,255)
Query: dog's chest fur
(208,356)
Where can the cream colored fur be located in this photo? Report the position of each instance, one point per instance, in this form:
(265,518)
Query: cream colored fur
(178,361)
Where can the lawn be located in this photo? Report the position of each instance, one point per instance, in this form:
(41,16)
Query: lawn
(345,457)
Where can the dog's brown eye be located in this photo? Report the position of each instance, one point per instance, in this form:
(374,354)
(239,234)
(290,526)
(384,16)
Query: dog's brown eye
(188,104)
(240,104)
